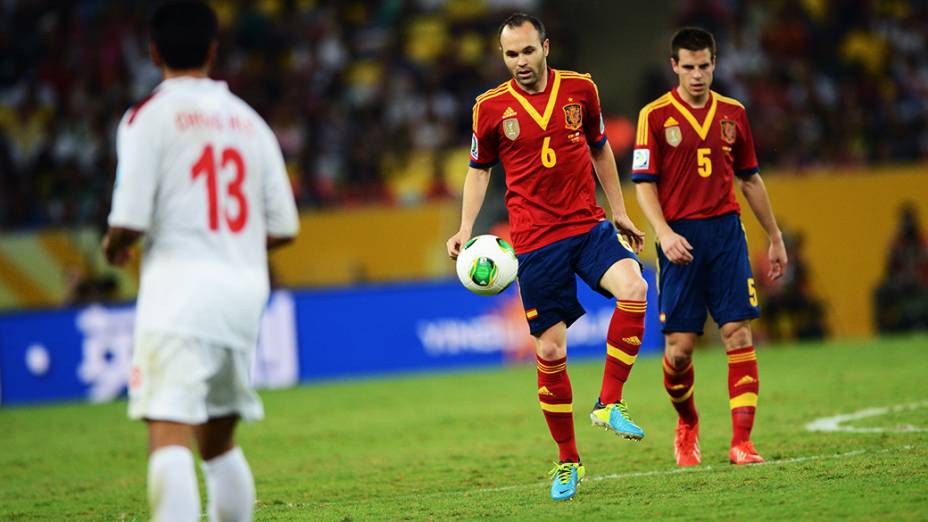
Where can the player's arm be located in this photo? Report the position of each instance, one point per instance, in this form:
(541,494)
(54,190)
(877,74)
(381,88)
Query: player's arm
(283,223)
(677,249)
(483,156)
(277,242)
(136,183)
(475,190)
(117,244)
(755,192)
(646,163)
(594,129)
(608,174)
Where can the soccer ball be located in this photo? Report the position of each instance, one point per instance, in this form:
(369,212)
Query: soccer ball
(487,265)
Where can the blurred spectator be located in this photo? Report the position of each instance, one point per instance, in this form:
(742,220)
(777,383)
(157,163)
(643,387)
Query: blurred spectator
(353,89)
(827,83)
(901,300)
(790,308)
(369,99)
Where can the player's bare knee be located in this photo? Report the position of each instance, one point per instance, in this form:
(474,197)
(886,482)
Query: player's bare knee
(167,433)
(679,361)
(736,335)
(550,350)
(633,289)
(216,436)
(678,350)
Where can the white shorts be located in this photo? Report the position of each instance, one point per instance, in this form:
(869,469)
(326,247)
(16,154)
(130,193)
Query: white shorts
(189,380)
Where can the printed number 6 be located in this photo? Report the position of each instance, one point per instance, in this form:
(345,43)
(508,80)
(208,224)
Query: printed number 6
(704,162)
(548,157)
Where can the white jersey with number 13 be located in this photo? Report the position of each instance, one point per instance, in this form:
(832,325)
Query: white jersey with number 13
(201,173)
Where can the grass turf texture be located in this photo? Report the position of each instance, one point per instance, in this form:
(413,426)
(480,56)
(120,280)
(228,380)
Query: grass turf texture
(475,445)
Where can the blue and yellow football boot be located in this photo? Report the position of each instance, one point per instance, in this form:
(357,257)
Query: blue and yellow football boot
(615,417)
(567,475)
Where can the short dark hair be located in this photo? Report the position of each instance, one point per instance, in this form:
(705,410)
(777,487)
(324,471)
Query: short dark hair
(691,39)
(182,31)
(517,19)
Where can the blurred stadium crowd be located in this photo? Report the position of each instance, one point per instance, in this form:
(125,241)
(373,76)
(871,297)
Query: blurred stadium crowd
(826,82)
(357,91)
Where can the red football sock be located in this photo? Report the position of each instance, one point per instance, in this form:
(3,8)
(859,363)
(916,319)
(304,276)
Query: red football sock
(680,385)
(743,387)
(622,344)
(556,399)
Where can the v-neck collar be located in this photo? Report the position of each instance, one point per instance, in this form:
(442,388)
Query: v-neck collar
(702,129)
(551,89)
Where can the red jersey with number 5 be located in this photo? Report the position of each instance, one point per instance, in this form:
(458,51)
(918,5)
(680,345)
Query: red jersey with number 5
(693,154)
(543,141)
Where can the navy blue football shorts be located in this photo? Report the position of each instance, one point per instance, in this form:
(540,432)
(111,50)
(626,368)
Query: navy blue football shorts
(546,276)
(718,279)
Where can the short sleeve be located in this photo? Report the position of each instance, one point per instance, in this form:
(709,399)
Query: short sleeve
(483,142)
(280,207)
(137,166)
(646,156)
(593,125)
(745,157)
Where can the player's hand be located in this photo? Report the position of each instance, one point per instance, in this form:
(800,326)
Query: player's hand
(456,241)
(628,229)
(677,249)
(115,256)
(778,259)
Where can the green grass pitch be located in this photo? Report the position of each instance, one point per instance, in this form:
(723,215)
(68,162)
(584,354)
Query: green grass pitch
(474,445)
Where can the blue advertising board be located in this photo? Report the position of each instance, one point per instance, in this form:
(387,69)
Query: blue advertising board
(306,335)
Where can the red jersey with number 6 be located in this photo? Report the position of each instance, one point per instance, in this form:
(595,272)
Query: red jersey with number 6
(693,154)
(543,141)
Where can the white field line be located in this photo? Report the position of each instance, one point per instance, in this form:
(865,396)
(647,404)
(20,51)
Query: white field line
(616,476)
(709,469)
(835,423)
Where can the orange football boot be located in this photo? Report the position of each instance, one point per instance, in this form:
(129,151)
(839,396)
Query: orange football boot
(686,444)
(744,453)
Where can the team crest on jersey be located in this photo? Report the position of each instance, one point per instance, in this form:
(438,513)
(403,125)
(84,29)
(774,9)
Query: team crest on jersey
(573,116)
(511,128)
(672,131)
(674,135)
(729,131)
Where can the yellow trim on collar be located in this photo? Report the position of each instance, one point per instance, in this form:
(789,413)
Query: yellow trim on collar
(701,130)
(542,121)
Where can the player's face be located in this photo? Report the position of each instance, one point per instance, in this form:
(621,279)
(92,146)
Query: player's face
(694,69)
(524,54)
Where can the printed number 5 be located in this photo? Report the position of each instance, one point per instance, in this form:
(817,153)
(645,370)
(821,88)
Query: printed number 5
(704,162)
(548,157)
(752,292)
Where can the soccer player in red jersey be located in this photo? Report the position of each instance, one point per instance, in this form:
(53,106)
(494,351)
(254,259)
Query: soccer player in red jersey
(546,127)
(691,144)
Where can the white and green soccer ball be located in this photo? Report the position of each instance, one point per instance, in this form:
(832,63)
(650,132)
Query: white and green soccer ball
(487,265)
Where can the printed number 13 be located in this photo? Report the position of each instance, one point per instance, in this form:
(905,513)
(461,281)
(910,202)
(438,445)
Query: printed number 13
(206,165)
